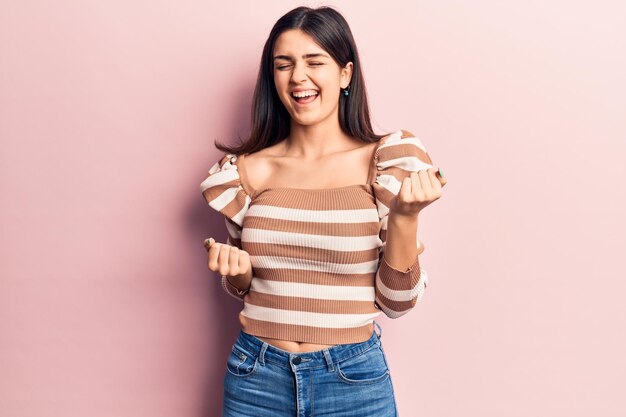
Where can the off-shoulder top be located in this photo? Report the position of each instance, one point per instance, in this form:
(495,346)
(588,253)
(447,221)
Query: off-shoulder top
(319,274)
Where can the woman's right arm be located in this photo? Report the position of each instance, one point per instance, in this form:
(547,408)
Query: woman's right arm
(233,264)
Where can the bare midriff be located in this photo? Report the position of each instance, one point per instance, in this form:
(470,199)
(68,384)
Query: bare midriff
(291,346)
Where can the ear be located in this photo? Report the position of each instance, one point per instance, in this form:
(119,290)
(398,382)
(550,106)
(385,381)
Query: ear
(346,75)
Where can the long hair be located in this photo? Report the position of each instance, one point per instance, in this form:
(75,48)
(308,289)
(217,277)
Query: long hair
(270,119)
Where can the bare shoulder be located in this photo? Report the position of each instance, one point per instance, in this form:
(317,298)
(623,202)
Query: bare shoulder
(260,166)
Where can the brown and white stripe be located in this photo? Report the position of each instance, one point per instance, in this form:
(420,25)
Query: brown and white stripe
(319,273)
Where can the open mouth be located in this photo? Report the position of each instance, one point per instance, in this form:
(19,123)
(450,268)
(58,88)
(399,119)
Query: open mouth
(305,97)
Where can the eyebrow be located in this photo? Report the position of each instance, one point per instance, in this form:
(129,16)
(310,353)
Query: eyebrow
(305,56)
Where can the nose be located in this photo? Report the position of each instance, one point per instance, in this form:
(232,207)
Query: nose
(299,73)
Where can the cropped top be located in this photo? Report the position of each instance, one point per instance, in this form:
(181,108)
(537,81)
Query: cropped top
(319,275)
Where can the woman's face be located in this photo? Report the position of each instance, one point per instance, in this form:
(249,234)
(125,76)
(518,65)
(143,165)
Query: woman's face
(302,67)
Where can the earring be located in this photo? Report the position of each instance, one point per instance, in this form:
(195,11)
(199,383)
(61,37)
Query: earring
(345,91)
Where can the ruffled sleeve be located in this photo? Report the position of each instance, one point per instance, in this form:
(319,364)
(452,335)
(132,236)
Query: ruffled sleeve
(396,157)
(224,192)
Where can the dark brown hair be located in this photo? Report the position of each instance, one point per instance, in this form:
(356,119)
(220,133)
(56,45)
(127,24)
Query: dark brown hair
(270,119)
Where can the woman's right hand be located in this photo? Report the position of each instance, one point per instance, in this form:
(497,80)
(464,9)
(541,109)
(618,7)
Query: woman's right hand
(229,260)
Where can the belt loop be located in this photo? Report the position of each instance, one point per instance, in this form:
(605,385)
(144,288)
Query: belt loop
(262,353)
(329,360)
(380,330)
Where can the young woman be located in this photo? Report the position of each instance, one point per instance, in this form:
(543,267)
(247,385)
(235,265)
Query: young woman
(321,214)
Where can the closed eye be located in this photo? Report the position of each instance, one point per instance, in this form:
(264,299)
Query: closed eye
(282,67)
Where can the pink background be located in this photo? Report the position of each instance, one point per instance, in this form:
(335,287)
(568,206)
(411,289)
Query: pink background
(108,112)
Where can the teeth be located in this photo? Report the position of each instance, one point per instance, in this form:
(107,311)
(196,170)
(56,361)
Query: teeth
(306,93)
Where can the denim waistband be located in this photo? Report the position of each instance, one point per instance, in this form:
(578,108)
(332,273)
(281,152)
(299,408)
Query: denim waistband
(326,357)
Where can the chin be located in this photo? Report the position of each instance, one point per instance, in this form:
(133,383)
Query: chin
(305,122)
(308,119)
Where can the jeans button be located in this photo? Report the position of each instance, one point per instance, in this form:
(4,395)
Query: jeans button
(297,360)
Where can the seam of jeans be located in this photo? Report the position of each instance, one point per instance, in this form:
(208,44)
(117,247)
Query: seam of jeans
(357,354)
(244,350)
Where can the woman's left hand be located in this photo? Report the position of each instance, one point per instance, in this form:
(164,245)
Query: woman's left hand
(417,191)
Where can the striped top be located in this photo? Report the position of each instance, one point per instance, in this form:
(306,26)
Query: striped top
(319,274)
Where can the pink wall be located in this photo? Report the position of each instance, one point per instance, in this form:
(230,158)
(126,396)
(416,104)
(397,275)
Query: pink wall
(108,112)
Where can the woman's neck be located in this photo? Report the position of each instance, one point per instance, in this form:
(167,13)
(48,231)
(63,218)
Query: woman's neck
(313,142)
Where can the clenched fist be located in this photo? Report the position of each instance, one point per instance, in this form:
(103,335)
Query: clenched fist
(417,191)
(229,260)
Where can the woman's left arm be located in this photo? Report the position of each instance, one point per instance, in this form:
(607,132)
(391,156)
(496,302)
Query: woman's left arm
(400,281)
(417,191)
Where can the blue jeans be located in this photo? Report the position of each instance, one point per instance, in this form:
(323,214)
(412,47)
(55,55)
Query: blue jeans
(344,380)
